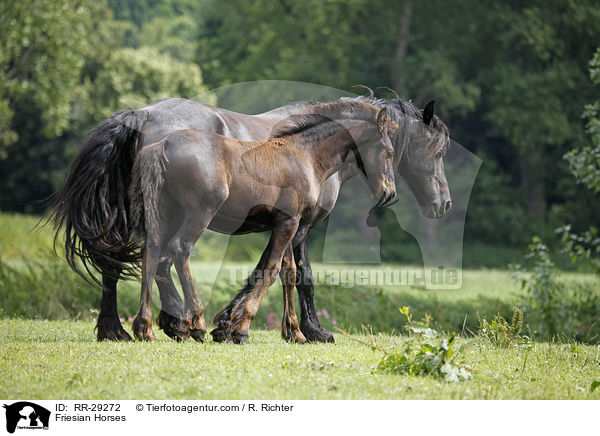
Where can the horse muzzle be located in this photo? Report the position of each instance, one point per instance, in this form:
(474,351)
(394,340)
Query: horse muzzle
(437,209)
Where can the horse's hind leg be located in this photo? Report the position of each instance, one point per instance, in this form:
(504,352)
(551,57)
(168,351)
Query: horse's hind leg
(109,326)
(290,330)
(180,249)
(171,316)
(142,324)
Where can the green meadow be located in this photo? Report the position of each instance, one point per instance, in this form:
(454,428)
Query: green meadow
(48,348)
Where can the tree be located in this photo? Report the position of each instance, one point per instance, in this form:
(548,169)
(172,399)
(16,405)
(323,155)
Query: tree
(62,70)
(41,56)
(42,53)
(134,78)
(585,162)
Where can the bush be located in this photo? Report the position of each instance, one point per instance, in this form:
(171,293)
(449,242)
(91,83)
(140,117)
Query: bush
(556,306)
(424,352)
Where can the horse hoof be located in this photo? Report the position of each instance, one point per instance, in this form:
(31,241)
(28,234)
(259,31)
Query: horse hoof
(198,335)
(142,331)
(221,335)
(110,329)
(298,338)
(317,334)
(294,336)
(239,338)
(173,327)
(114,335)
(196,322)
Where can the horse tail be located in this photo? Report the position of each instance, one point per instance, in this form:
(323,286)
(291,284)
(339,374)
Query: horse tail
(146,183)
(92,206)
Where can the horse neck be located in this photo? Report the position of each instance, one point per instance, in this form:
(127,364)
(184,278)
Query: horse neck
(331,152)
(402,138)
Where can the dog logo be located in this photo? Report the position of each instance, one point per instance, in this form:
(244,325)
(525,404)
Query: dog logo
(26,415)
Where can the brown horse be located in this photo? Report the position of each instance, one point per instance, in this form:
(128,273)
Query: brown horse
(193,180)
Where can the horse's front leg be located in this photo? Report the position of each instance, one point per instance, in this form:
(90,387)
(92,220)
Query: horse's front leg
(290,330)
(247,302)
(142,324)
(309,323)
(109,326)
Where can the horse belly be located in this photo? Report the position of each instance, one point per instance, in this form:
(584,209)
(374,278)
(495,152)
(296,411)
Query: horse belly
(258,219)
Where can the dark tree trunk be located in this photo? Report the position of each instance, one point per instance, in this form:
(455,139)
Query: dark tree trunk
(404,19)
(532,170)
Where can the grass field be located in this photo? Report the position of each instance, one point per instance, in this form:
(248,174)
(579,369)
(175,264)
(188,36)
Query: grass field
(44,357)
(54,360)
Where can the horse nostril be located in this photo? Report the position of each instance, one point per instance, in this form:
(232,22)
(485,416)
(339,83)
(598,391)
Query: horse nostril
(447,206)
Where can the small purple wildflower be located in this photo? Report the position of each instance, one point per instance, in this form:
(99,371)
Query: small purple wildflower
(272,323)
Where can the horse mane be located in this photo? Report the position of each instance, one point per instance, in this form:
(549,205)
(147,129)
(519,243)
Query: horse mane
(324,113)
(297,124)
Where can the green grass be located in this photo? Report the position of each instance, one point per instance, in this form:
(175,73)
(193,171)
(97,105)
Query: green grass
(59,359)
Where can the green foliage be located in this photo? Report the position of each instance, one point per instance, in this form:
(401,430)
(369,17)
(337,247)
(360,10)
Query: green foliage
(41,57)
(509,79)
(556,306)
(583,248)
(63,295)
(63,69)
(43,47)
(500,332)
(424,352)
(493,196)
(544,287)
(585,162)
(134,78)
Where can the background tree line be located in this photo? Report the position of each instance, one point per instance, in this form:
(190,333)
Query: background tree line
(511,80)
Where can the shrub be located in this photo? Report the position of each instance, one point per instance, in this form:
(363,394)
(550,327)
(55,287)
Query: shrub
(554,305)
(500,332)
(425,352)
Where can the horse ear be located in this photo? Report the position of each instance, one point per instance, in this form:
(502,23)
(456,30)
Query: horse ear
(428,112)
(383,120)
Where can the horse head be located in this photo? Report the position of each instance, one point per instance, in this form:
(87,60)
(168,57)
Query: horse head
(420,148)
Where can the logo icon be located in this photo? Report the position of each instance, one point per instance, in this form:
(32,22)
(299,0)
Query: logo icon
(26,415)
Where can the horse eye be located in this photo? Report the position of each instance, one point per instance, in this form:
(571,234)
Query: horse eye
(390,154)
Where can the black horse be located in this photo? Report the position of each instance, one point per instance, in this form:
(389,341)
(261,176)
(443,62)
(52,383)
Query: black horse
(93,207)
